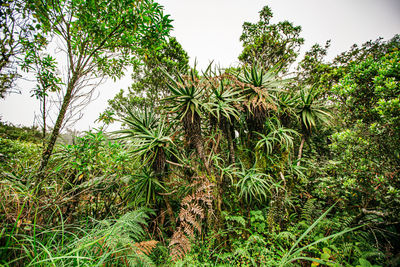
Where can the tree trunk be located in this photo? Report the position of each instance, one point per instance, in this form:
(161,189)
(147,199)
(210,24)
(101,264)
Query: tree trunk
(229,135)
(200,151)
(158,164)
(44,120)
(57,127)
(194,139)
(303,139)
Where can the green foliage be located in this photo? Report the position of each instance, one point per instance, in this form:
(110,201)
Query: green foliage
(186,95)
(272,44)
(259,87)
(93,155)
(18,156)
(102,243)
(18,32)
(150,82)
(253,185)
(295,253)
(215,160)
(107,26)
(369,148)
(151,137)
(22,133)
(312,110)
(144,188)
(277,136)
(223,102)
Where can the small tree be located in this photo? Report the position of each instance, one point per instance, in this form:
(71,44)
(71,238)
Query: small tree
(17,31)
(98,38)
(311,111)
(149,84)
(270,44)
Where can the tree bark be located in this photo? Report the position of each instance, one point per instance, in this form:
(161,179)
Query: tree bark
(193,136)
(303,139)
(232,158)
(200,151)
(44,119)
(57,127)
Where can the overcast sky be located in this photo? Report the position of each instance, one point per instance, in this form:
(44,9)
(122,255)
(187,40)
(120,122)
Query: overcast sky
(210,30)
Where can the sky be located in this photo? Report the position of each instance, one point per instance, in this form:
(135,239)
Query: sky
(209,30)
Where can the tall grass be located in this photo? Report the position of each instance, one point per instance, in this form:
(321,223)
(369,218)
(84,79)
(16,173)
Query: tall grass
(92,243)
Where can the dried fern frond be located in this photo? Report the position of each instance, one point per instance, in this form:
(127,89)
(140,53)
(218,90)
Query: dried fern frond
(145,247)
(191,215)
(180,245)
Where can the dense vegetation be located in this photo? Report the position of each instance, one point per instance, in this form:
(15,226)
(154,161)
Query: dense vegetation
(262,164)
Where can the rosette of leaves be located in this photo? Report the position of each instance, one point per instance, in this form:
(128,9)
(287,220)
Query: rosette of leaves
(224,108)
(145,188)
(253,185)
(187,102)
(277,136)
(150,136)
(311,110)
(259,87)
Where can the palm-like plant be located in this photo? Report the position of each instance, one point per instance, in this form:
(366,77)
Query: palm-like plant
(287,104)
(224,109)
(277,136)
(311,110)
(151,138)
(259,87)
(223,101)
(145,187)
(253,185)
(187,102)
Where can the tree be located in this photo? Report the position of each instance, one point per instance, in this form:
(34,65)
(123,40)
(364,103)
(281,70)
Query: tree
(270,44)
(224,107)
(17,31)
(47,79)
(259,87)
(314,70)
(152,138)
(97,38)
(369,95)
(187,101)
(149,85)
(312,110)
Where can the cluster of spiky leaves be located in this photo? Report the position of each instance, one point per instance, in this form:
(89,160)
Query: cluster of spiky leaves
(186,94)
(217,159)
(259,87)
(152,137)
(208,105)
(312,109)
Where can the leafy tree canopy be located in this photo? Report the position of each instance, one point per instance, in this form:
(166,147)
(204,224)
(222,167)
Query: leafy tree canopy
(270,44)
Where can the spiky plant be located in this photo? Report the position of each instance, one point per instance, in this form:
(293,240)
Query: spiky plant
(187,103)
(277,136)
(145,188)
(311,110)
(151,138)
(223,102)
(259,87)
(224,107)
(287,103)
(253,185)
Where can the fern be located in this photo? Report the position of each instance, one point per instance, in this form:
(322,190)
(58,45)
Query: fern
(120,239)
(190,217)
(145,247)
(308,210)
